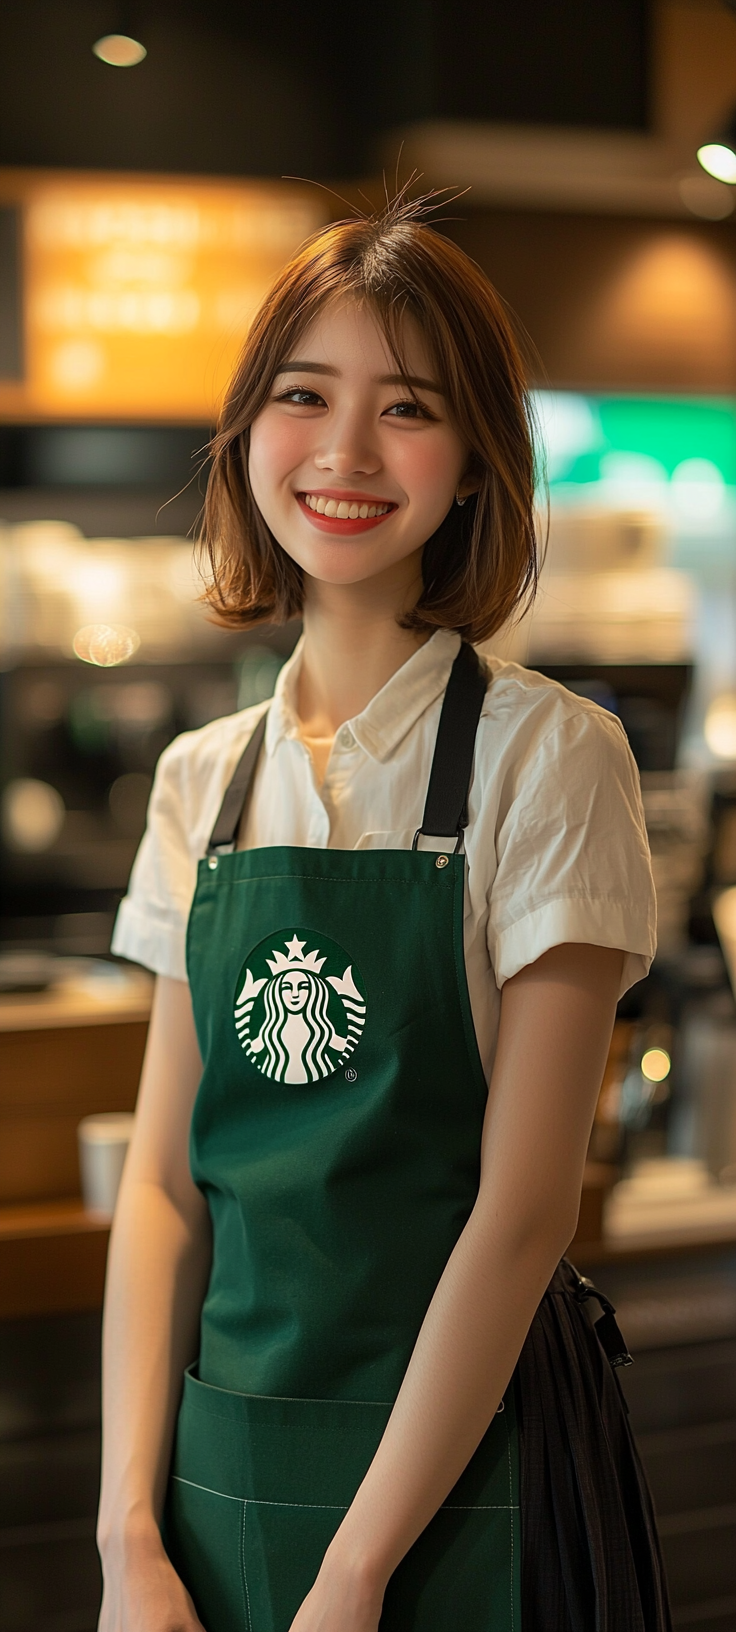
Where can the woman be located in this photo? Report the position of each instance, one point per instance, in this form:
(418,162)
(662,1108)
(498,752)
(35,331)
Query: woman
(411,890)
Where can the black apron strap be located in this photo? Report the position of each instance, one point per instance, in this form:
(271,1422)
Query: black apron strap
(446,809)
(225,830)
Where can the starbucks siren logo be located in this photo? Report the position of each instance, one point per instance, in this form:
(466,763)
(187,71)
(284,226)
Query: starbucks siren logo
(295,1023)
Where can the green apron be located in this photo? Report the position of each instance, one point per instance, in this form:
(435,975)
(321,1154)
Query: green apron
(336,1137)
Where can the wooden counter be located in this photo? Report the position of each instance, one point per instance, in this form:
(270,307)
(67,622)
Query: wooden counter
(66,1053)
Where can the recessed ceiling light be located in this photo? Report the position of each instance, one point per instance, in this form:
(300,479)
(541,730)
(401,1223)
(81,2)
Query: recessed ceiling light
(719,160)
(718,153)
(120,50)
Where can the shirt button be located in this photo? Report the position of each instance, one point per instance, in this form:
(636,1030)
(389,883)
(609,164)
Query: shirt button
(345,738)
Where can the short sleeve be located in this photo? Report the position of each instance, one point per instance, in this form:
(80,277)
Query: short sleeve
(572,851)
(152,919)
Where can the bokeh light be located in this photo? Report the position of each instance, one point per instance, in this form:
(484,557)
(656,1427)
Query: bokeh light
(32,815)
(119,50)
(720,726)
(718,160)
(105,644)
(655,1064)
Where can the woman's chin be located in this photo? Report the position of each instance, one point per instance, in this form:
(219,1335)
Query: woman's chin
(347,566)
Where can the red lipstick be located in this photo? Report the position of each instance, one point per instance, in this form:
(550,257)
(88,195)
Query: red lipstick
(344,526)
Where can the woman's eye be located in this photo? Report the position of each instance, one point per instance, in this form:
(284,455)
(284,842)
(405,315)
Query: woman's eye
(409,409)
(302,396)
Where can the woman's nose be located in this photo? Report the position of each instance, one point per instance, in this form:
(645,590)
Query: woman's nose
(348,448)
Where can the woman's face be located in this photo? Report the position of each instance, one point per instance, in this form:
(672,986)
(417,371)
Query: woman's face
(350,472)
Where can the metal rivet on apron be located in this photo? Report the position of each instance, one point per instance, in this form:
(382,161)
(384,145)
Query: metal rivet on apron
(212,863)
(441,861)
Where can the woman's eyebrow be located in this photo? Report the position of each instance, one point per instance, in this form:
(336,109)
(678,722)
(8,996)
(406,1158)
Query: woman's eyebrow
(306,368)
(415,380)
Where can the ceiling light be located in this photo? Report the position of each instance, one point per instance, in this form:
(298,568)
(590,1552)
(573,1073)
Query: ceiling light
(718,156)
(122,51)
(719,160)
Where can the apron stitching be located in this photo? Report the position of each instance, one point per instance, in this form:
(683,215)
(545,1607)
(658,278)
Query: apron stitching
(321,1507)
(315,878)
(243,1576)
(342,1507)
(479,1507)
(206,1488)
(463,992)
(291,1399)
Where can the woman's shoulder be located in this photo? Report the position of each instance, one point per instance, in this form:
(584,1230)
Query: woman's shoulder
(529,707)
(196,766)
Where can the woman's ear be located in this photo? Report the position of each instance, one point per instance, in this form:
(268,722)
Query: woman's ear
(470,482)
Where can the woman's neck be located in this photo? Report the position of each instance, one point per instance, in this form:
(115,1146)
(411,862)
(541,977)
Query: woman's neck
(353,644)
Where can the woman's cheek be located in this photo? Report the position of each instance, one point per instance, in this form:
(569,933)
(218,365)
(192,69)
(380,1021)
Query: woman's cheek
(277,446)
(429,469)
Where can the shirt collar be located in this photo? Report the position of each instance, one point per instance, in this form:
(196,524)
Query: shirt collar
(393,711)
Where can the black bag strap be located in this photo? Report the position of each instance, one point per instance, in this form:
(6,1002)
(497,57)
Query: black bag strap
(446,809)
(225,830)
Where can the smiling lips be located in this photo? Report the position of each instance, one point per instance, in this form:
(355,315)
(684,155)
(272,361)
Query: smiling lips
(343,514)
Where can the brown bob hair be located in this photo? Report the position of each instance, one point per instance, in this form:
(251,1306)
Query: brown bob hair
(480,566)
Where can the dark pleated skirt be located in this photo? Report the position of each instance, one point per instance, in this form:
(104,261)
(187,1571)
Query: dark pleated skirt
(591,1560)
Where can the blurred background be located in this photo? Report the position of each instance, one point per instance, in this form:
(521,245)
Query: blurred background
(157,167)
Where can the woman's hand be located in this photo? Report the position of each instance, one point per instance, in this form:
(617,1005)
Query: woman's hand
(144,1593)
(343,1599)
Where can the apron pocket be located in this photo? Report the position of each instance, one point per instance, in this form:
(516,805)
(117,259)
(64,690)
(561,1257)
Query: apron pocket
(203,1536)
(278,1477)
(462,1573)
(283,1549)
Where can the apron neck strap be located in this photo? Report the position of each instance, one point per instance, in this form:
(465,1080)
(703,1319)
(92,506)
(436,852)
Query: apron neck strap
(446,809)
(224,832)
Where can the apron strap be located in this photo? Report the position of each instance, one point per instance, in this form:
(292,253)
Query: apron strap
(225,830)
(446,809)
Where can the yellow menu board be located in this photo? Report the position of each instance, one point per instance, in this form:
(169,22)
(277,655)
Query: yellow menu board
(137,291)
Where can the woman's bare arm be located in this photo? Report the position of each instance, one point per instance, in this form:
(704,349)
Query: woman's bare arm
(157,1274)
(556,1022)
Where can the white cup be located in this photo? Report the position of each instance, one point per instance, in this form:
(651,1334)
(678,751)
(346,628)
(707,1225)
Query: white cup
(103,1147)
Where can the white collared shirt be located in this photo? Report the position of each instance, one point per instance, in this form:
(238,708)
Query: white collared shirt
(556,844)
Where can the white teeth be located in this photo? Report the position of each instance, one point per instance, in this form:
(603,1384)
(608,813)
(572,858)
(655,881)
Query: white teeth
(343,509)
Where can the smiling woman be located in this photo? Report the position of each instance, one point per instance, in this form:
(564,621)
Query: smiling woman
(374,1095)
(382,377)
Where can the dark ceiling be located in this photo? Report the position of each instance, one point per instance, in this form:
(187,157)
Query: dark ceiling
(304,87)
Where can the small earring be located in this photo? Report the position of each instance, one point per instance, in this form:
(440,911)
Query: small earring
(458,499)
